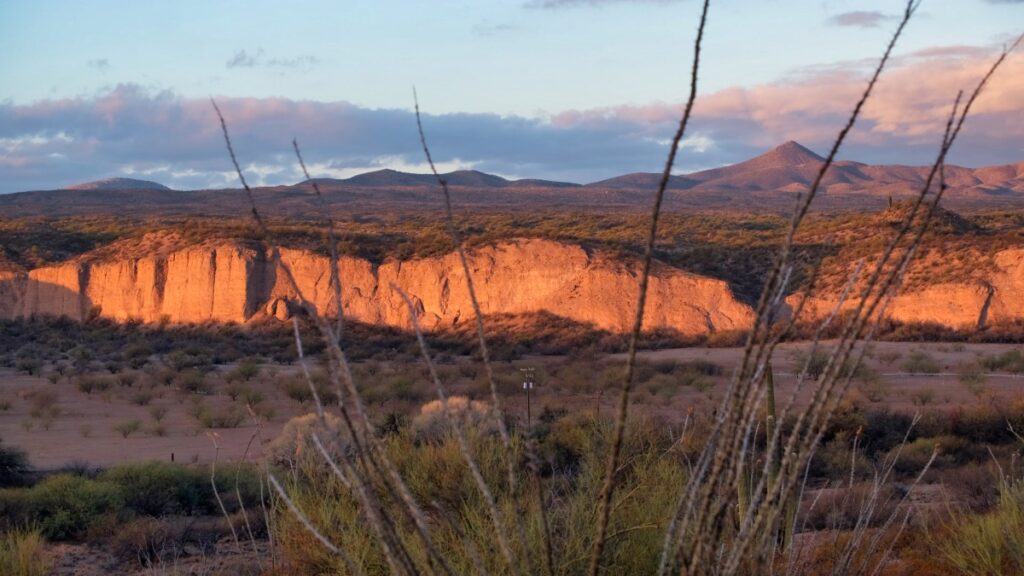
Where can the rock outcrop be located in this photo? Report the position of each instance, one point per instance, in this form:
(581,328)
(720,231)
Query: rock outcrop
(230,282)
(234,282)
(965,305)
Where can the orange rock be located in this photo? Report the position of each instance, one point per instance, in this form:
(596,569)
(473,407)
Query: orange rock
(230,282)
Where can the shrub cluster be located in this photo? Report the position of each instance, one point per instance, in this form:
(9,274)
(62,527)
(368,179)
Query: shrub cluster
(71,506)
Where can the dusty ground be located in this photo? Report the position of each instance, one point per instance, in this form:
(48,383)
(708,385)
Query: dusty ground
(225,560)
(83,431)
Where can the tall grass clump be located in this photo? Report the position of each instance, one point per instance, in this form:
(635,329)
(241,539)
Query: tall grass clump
(487,495)
(22,553)
(991,544)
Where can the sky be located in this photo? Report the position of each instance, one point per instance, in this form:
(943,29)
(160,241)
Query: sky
(576,90)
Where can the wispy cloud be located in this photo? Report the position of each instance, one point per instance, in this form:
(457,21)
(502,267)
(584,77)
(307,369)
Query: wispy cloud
(98,63)
(489,30)
(860,19)
(243,59)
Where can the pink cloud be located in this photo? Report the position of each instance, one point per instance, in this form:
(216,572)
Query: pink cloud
(910,103)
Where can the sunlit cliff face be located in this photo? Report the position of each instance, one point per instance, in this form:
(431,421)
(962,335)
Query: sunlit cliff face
(229,282)
(232,283)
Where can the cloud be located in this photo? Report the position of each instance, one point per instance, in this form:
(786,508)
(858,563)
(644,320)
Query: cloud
(555,4)
(489,30)
(860,19)
(99,63)
(902,123)
(176,140)
(242,59)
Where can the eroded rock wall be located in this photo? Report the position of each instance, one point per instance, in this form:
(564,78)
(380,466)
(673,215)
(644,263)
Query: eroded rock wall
(232,283)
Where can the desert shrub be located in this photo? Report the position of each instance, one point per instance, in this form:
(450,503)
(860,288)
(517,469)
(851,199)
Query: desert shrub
(127,379)
(234,390)
(875,390)
(836,459)
(158,412)
(972,376)
(246,370)
(14,466)
(699,366)
(181,360)
(137,353)
(43,404)
(922,397)
(163,376)
(228,417)
(430,425)
(251,397)
(974,486)
(842,508)
(1011,361)
(814,362)
(127,428)
(93,383)
(156,542)
(22,553)
(921,362)
(63,506)
(393,423)
(914,456)
(194,381)
(30,366)
(160,488)
(142,397)
(295,438)
(297,389)
(72,506)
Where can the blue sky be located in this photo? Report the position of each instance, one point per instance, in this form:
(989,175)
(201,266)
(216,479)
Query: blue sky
(571,89)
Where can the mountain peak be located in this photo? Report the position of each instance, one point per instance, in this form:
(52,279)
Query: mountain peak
(792,152)
(118,184)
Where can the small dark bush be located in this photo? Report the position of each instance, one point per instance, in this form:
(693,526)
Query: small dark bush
(14,466)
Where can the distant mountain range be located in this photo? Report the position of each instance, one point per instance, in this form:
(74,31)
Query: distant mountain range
(770,181)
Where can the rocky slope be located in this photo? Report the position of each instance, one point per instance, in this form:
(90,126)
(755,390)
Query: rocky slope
(966,305)
(231,282)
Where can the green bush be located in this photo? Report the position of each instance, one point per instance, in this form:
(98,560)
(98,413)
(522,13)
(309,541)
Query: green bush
(128,427)
(62,506)
(1011,361)
(159,488)
(72,506)
(921,362)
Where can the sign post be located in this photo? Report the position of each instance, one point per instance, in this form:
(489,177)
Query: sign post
(528,383)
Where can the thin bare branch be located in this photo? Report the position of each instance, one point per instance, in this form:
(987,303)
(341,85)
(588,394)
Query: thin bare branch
(622,412)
